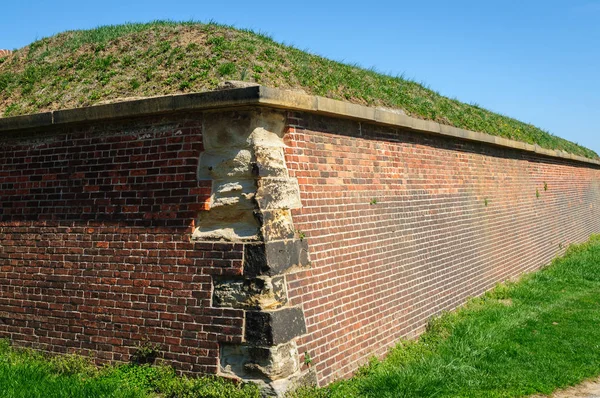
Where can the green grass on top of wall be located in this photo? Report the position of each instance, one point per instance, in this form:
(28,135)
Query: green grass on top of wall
(532,336)
(81,68)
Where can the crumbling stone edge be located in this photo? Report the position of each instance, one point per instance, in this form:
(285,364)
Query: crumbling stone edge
(251,202)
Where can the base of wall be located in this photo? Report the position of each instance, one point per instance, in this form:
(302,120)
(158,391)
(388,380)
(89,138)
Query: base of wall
(279,388)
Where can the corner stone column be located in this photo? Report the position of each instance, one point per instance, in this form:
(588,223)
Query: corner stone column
(252,195)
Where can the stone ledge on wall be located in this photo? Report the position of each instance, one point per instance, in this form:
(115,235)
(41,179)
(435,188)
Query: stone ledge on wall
(254,95)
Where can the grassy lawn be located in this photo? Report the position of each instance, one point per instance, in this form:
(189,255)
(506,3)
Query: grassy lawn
(533,336)
(81,68)
(27,374)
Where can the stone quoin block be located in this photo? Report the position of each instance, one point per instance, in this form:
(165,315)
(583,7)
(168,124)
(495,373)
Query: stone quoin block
(250,293)
(267,328)
(274,362)
(274,258)
(278,193)
(276,225)
(225,164)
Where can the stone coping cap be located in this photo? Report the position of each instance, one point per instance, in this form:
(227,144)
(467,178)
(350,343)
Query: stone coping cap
(270,97)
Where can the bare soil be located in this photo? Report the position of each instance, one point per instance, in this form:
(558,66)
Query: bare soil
(588,389)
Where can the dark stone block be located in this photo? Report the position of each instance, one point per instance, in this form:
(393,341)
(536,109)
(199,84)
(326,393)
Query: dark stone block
(269,328)
(275,258)
(255,260)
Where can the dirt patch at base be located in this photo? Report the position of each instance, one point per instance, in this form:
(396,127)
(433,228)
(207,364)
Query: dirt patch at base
(588,389)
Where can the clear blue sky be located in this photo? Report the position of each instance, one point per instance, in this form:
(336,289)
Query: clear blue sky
(534,60)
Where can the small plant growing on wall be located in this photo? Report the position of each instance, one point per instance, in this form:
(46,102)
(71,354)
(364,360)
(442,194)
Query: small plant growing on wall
(145,353)
(545,186)
(537,193)
(373,201)
(486,202)
(301,234)
(307,359)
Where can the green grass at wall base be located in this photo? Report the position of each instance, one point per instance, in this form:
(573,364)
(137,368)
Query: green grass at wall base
(30,374)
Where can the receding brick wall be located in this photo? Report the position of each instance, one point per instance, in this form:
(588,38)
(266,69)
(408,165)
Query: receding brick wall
(119,230)
(398,229)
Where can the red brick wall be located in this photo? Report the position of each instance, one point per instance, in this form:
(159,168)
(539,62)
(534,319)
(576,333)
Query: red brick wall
(95,252)
(398,229)
(95,226)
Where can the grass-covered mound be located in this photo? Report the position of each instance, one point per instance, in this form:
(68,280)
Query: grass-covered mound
(81,68)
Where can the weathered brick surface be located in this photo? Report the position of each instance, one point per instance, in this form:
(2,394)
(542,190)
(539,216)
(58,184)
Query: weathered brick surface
(398,229)
(97,251)
(95,254)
